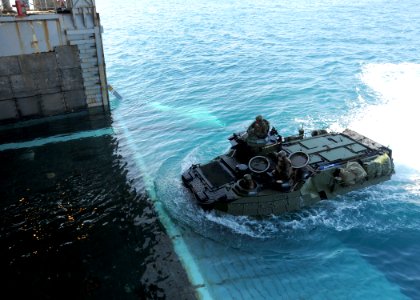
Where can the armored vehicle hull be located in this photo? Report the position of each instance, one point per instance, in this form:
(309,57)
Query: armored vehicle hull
(322,166)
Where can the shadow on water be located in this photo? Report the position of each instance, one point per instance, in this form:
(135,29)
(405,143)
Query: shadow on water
(387,234)
(73,226)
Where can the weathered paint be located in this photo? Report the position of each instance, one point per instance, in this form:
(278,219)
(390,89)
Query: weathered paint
(47,36)
(29,35)
(20,39)
(42,33)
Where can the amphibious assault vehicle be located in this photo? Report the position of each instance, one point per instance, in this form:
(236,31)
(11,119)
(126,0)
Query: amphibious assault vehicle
(245,180)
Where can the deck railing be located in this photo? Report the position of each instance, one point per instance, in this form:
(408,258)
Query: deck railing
(8,7)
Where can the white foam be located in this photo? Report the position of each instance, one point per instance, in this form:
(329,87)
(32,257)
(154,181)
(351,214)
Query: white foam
(393,118)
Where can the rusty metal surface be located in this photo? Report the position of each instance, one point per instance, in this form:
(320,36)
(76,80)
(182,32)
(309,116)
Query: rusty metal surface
(41,84)
(41,73)
(29,36)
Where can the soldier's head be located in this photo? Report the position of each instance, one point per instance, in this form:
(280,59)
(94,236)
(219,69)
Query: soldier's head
(282,153)
(247,177)
(258,118)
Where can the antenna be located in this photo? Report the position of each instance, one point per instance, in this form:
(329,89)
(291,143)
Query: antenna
(301,130)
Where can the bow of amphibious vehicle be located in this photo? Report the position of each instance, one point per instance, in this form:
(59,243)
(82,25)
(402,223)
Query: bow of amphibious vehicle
(324,165)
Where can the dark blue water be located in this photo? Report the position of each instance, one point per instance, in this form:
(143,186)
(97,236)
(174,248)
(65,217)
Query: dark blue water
(72,225)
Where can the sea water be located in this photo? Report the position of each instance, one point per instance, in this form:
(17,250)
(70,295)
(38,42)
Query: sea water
(193,72)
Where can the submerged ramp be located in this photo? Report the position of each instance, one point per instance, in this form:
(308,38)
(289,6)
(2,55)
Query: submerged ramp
(268,270)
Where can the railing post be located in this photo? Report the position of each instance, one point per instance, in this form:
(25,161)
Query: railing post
(6,5)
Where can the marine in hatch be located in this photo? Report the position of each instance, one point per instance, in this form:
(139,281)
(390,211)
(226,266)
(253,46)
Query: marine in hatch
(259,128)
(247,182)
(283,167)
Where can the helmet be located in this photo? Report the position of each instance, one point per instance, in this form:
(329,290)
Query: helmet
(282,153)
(247,177)
(259,118)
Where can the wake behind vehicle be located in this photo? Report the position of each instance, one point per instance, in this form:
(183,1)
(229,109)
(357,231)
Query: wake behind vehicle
(247,180)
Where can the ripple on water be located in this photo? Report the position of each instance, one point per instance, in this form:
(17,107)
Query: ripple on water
(194,73)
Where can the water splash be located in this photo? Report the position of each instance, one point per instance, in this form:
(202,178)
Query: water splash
(392,117)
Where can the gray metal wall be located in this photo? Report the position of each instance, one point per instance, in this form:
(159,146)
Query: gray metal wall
(48,59)
(42,84)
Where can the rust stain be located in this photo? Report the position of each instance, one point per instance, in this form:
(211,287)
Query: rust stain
(47,35)
(57,23)
(22,46)
(34,43)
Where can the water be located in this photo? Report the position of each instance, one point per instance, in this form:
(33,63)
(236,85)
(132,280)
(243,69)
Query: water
(193,72)
(72,225)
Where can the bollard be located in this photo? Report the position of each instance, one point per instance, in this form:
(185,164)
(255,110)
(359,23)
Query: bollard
(21,8)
